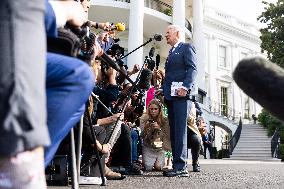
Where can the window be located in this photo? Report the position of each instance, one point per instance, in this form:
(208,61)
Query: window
(224,101)
(246,108)
(222,56)
(200,98)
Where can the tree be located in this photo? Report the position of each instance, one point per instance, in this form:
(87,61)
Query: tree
(272,42)
(272,36)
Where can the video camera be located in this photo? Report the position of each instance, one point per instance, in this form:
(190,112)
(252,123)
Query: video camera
(74,42)
(151,64)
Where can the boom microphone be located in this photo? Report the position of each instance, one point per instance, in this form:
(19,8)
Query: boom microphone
(145,79)
(106,59)
(152,52)
(264,82)
(158,37)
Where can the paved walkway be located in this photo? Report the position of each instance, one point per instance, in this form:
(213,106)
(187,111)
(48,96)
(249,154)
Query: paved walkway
(215,174)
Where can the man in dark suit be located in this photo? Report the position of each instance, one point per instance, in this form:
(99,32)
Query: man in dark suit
(180,72)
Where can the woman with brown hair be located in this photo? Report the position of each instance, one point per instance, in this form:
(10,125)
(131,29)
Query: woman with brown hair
(155,135)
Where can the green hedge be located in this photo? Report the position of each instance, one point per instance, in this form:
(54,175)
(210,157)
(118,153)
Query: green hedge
(168,12)
(281,149)
(271,123)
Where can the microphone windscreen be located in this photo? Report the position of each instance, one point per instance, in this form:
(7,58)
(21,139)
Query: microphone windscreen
(264,82)
(120,26)
(158,60)
(145,79)
(152,52)
(158,37)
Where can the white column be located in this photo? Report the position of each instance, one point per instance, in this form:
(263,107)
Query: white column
(199,41)
(179,15)
(135,37)
(212,68)
(237,92)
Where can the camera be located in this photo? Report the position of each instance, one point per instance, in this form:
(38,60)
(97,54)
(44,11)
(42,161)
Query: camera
(117,52)
(151,121)
(150,63)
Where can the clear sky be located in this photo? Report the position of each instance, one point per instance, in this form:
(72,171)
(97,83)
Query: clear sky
(247,10)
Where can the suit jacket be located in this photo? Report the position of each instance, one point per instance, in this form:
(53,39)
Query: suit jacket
(180,67)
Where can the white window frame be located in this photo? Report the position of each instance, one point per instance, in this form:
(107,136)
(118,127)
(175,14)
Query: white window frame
(224,58)
(226,104)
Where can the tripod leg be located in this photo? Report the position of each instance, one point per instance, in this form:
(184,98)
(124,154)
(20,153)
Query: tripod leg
(96,150)
(75,184)
(79,147)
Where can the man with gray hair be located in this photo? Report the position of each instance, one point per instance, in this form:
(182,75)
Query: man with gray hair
(180,72)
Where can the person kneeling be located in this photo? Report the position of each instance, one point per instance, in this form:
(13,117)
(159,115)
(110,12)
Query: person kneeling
(155,135)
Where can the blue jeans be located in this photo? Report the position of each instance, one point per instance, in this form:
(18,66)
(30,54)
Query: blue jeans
(134,143)
(69,82)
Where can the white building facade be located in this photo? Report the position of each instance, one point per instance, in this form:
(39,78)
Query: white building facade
(220,41)
(227,41)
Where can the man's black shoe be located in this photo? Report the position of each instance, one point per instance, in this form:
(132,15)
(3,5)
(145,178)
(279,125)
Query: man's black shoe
(133,170)
(196,167)
(176,173)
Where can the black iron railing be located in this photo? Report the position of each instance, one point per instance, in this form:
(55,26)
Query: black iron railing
(275,142)
(235,138)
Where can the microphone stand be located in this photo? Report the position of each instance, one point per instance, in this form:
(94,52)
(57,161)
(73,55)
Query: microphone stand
(125,102)
(105,58)
(151,39)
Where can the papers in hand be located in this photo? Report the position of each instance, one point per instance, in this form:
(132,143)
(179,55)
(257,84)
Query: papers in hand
(174,87)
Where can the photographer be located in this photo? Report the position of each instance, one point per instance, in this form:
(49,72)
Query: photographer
(67,78)
(155,135)
(108,94)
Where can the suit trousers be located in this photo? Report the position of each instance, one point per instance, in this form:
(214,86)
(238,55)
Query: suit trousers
(69,82)
(177,114)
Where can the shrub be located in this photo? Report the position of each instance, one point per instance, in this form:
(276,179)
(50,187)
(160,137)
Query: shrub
(281,149)
(168,12)
(270,122)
